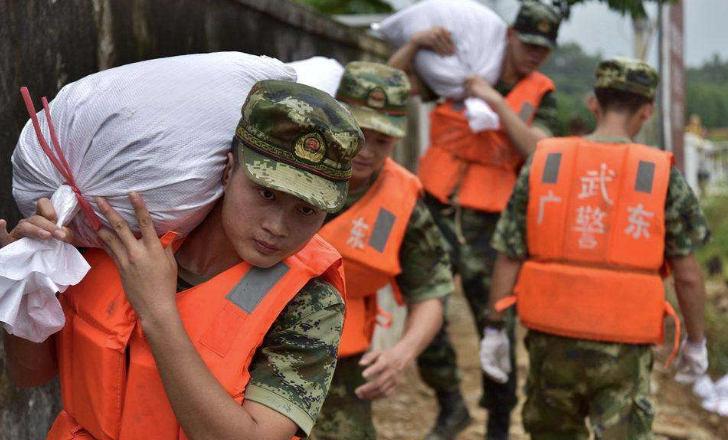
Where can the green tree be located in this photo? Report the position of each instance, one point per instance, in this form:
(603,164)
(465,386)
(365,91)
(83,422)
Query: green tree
(572,71)
(350,6)
(707,93)
(635,8)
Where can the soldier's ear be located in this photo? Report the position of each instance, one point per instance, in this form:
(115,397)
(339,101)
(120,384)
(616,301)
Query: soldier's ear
(227,172)
(592,103)
(646,111)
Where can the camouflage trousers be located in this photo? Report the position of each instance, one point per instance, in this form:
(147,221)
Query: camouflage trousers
(343,415)
(571,380)
(468,235)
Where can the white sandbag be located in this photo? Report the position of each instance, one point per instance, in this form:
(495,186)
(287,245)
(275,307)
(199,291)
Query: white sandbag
(319,72)
(479,35)
(159,127)
(162,128)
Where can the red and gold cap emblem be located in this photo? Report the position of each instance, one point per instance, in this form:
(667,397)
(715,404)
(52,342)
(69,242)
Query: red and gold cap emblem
(310,147)
(377,98)
(544,26)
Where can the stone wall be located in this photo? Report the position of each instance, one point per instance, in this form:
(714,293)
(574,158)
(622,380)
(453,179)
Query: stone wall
(45,44)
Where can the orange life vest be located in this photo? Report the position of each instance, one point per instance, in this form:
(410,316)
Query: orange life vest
(478,169)
(110,386)
(369,235)
(596,241)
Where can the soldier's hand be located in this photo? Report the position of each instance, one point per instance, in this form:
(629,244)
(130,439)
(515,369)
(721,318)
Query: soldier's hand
(495,358)
(692,362)
(436,39)
(42,226)
(477,87)
(385,371)
(148,270)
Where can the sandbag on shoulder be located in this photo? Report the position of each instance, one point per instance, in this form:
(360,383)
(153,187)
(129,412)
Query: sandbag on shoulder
(162,128)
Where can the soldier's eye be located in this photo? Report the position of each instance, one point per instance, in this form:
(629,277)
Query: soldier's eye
(306,210)
(266,194)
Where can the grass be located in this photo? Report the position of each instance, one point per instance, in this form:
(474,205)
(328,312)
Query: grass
(714,258)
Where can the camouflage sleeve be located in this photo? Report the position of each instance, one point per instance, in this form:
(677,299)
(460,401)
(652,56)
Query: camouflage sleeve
(509,237)
(292,370)
(426,272)
(686,228)
(546,117)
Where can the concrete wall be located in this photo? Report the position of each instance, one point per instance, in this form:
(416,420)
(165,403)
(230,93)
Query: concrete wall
(45,44)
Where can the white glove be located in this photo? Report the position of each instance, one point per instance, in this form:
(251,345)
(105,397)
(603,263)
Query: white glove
(495,354)
(692,363)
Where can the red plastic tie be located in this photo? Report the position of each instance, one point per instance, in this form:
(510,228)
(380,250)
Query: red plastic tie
(58,159)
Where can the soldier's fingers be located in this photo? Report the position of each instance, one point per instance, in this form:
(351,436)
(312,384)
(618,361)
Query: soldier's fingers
(445,44)
(112,245)
(368,390)
(27,229)
(67,235)
(118,224)
(5,238)
(44,208)
(369,357)
(47,225)
(375,369)
(144,219)
(375,388)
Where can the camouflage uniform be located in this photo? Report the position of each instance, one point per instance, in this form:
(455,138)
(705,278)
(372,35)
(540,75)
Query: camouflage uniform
(425,266)
(299,140)
(571,379)
(537,24)
(294,365)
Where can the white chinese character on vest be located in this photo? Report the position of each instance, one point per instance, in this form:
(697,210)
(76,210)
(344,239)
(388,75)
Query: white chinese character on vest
(638,225)
(589,221)
(358,232)
(597,180)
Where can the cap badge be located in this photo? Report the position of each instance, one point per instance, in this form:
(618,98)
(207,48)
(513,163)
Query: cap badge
(377,98)
(310,147)
(544,26)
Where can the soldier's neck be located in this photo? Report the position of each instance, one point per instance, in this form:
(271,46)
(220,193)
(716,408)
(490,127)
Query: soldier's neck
(509,73)
(616,125)
(208,251)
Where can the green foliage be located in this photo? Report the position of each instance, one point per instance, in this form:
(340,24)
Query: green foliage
(573,72)
(350,6)
(635,8)
(715,209)
(707,93)
(716,326)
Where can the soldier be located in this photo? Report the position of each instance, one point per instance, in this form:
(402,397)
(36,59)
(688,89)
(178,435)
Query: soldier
(247,347)
(586,237)
(387,236)
(467,179)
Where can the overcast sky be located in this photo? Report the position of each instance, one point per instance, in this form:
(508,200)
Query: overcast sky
(599,30)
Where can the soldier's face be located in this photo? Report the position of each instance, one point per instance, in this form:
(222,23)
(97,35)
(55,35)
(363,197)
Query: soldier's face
(266,225)
(377,148)
(526,57)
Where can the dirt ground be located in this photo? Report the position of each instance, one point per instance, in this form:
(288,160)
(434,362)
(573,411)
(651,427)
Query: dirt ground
(409,414)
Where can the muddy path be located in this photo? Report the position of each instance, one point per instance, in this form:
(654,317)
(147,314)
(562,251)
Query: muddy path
(409,414)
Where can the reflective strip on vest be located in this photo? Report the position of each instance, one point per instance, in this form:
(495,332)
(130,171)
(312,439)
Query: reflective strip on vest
(645,177)
(526,112)
(551,169)
(382,228)
(248,293)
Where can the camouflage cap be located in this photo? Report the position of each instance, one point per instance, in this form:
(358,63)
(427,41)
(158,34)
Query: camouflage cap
(298,139)
(629,75)
(376,95)
(538,24)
